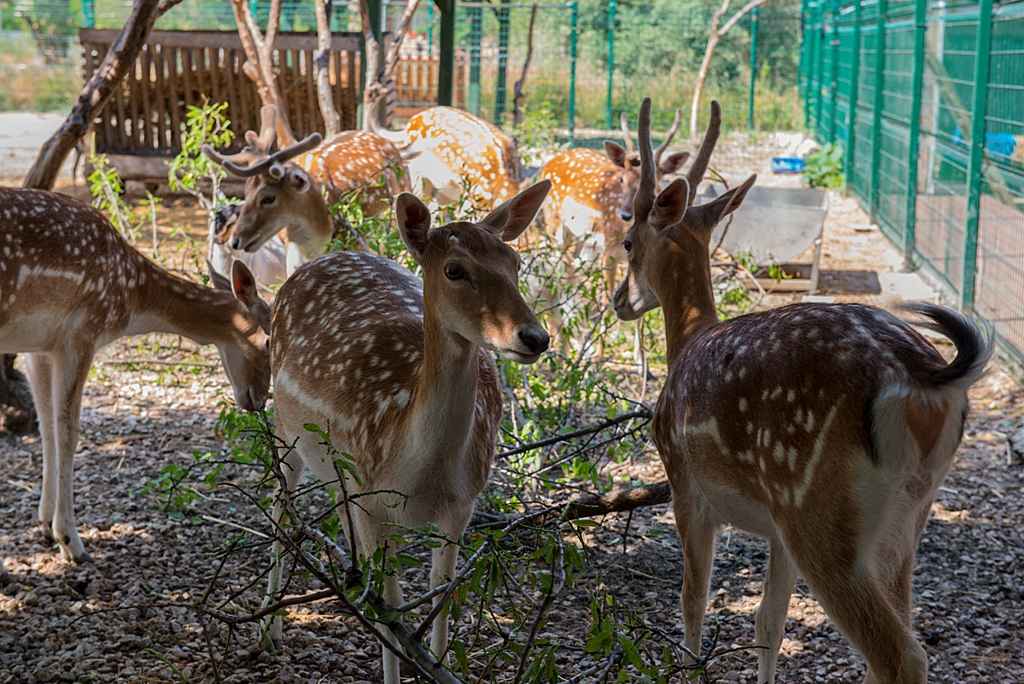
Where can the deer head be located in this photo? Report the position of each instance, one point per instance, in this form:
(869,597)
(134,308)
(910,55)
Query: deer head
(278,194)
(471,277)
(247,360)
(667,245)
(628,160)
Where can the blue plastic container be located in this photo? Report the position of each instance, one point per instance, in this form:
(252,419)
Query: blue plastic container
(787,165)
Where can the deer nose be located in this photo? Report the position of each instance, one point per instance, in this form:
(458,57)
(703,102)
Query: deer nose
(236,243)
(534,338)
(626,215)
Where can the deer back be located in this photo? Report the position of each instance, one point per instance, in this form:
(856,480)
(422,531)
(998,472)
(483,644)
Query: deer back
(472,148)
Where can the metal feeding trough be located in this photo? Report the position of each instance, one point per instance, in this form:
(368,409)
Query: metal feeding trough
(775,226)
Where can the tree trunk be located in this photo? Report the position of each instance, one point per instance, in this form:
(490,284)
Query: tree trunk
(517,88)
(95,95)
(332,122)
(17,413)
(714,36)
(382,57)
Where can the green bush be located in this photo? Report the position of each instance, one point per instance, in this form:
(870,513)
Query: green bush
(824,167)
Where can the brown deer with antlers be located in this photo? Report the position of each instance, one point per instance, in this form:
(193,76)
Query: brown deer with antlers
(592,194)
(396,372)
(70,285)
(284,191)
(826,428)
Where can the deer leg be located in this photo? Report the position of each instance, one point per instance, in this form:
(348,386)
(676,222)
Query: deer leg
(442,570)
(271,629)
(698,535)
(771,614)
(368,533)
(40,374)
(69,372)
(860,606)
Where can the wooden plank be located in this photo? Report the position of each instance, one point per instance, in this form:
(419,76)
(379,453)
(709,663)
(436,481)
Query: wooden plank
(315,116)
(146,85)
(174,86)
(187,78)
(234,88)
(347,41)
(119,107)
(160,107)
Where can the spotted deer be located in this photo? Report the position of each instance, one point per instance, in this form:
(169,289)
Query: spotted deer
(591,199)
(399,373)
(284,191)
(69,286)
(450,152)
(826,428)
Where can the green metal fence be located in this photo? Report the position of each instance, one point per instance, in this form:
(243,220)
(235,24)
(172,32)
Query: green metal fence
(926,97)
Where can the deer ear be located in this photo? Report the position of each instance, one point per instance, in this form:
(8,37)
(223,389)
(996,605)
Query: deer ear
(615,152)
(413,223)
(243,284)
(514,216)
(708,215)
(299,179)
(672,163)
(218,281)
(670,205)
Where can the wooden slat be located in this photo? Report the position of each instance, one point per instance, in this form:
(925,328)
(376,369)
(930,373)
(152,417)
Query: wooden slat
(187,78)
(174,86)
(160,100)
(119,106)
(315,118)
(232,69)
(146,61)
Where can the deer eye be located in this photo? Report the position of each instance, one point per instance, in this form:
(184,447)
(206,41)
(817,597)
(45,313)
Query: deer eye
(627,244)
(267,200)
(454,271)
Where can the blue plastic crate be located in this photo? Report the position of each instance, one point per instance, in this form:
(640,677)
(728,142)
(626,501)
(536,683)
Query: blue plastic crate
(787,165)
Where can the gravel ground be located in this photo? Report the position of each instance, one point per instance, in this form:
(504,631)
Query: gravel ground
(107,621)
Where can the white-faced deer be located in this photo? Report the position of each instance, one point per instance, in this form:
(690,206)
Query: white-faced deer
(284,191)
(592,194)
(397,372)
(70,285)
(450,151)
(826,428)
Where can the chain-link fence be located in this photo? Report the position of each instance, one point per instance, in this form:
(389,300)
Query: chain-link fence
(927,100)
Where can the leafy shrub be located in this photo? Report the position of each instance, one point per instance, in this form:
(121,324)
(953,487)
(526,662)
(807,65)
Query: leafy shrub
(824,167)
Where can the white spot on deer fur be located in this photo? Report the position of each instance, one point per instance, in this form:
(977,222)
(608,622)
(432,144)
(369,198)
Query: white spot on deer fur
(743,404)
(791,458)
(779,453)
(791,396)
(742,373)
(750,427)
(745,456)
(776,393)
(809,425)
(816,453)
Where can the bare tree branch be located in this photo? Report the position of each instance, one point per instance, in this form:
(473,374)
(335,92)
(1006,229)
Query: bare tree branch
(332,122)
(517,88)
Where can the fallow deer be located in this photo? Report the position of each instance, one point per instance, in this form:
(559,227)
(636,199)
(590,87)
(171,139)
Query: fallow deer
(592,194)
(450,151)
(826,428)
(284,189)
(397,373)
(70,285)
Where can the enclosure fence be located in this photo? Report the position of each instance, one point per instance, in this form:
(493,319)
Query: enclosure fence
(926,98)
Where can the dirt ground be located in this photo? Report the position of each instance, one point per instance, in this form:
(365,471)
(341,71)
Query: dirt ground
(109,621)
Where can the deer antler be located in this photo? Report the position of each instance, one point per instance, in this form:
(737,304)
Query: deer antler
(643,202)
(257,146)
(668,138)
(272,164)
(700,164)
(626,135)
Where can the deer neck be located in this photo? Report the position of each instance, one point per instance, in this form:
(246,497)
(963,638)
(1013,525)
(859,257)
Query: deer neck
(446,389)
(307,235)
(689,304)
(168,304)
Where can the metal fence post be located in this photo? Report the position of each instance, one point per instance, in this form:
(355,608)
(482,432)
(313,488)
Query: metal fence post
(500,92)
(833,76)
(476,17)
(979,111)
(753,69)
(819,58)
(446,67)
(914,143)
(876,123)
(89,13)
(851,115)
(430,30)
(610,31)
(573,21)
